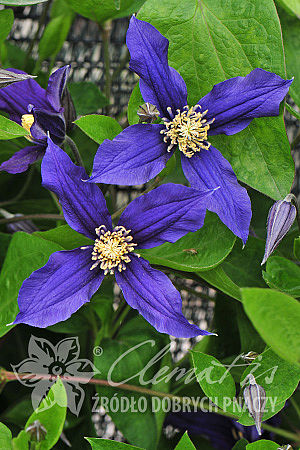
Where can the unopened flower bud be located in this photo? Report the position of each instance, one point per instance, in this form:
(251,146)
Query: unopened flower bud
(36,431)
(22,225)
(69,109)
(147,113)
(7,77)
(255,399)
(280,219)
(250,356)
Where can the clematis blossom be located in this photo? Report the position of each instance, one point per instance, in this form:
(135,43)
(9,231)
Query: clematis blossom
(39,111)
(141,151)
(70,278)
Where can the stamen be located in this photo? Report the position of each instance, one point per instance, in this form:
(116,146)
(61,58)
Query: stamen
(188,129)
(27,120)
(112,248)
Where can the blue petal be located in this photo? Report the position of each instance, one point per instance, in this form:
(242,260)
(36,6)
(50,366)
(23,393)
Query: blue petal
(54,292)
(231,202)
(56,85)
(156,299)
(235,102)
(165,214)
(160,84)
(22,159)
(83,204)
(47,121)
(133,157)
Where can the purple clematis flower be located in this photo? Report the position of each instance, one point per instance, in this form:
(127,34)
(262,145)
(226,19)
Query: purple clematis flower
(141,151)
(70,278)
(222,432)
(39,111)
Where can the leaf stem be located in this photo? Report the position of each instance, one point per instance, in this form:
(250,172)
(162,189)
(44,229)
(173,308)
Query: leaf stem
(32,217)
(23,189)
(106,33)
(75,151)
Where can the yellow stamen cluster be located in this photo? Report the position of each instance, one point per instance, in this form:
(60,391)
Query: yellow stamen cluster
(112,248)
(188,129)
(27,121)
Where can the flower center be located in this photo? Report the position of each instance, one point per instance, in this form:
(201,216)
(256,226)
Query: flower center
(27,121)
(111,249)
(188,129)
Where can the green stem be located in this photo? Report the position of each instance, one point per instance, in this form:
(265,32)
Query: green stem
(106,32)
(295,406)
(120,320)
(23,189)
(121,66)
(75,151)
(32,217)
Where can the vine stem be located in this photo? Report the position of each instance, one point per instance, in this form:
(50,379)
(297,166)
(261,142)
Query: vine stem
(75,151)
(10,376)
(23,189)
(32,216)
(106,33)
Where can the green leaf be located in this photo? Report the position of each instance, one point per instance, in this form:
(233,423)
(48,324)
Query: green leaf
(262,444)
(276,317)
(126,358)
(135,101)
(54,36)
(51,417)
(201,250)
(292,111)
(99,127)
(290,31)
(210,43)
(87,97)
(5,437)
(106,9)
(6,22)
(4,243)
(278,378)
(292,6)
(64,236)
(10,129)
(185,443)
(240,445)
(26,253)
(283,274)
(215,380)
(219,279)
(297,248)
(105,444)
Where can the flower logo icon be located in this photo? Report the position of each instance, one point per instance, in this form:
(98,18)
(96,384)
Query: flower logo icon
(46,362)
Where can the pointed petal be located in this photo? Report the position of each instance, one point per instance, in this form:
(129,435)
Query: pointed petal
(21,160)
(47,121)
(160,84)
(83,204)
(56,85)
(14,99)
(54,292)
(165,214)
(235,102)
(135,156)
(156,299)
(231,202)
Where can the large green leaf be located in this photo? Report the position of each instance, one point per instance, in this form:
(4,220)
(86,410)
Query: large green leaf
(5,437)
(6,22)
(100,11)
(99,127)
(291,38)
(262,444)
(201,250)
(105,444)
(51,417)
(284,275)
(218,278)
(64,236)
(292,6)
(25,254)
(297,248)
(278,378)
(55,35)
(87,97)
(210,43)
(276,316)
(215,380)
(10,129)
(185,443)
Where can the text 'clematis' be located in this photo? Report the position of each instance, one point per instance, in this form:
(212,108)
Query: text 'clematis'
(70,278)
(39,111)
(141,151)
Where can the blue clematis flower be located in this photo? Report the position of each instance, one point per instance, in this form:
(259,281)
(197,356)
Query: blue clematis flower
(70,278)
(141,151)
(39,111)
(222,432)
